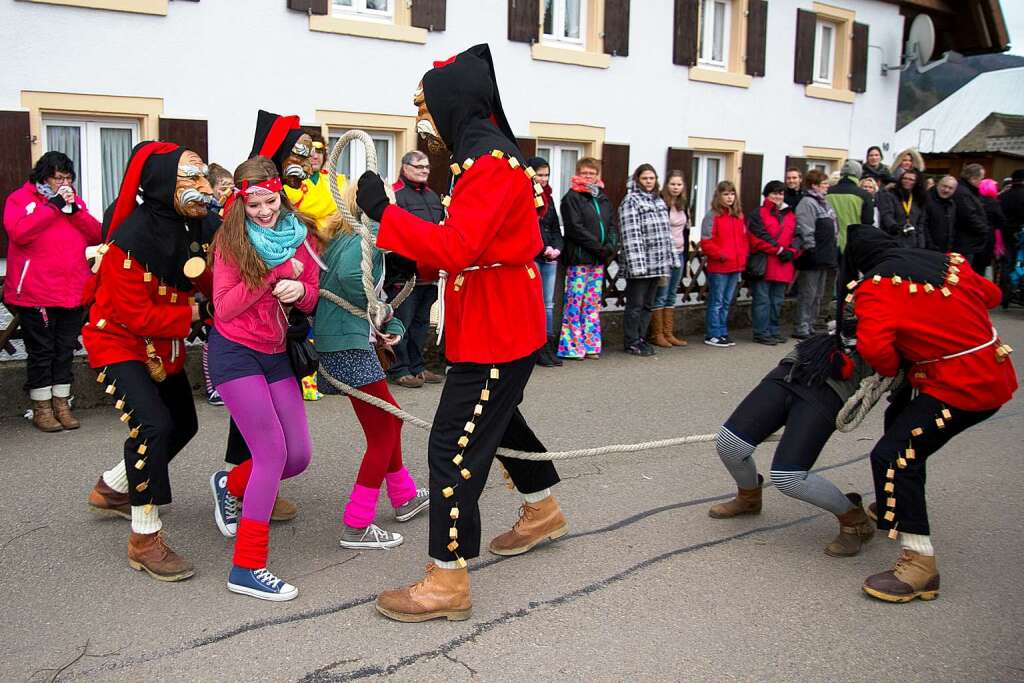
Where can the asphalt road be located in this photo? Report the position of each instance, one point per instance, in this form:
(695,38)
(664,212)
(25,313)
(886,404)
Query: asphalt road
(645,587)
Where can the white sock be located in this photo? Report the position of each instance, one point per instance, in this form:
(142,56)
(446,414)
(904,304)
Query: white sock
(922,545)
(146,522)
(117,478)
(40,394)
(536,497)
(445,565)
(61,390)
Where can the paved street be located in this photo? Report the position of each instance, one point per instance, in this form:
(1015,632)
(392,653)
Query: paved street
(645,587)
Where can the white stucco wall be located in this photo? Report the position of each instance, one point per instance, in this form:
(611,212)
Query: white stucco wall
(221,60)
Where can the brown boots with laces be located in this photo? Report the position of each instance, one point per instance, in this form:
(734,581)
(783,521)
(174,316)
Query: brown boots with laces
(105,500)
(442,593)
(538,522)
(62,409)
(151,554)
(914,576)
(855,529)
(53,415)
(746,502)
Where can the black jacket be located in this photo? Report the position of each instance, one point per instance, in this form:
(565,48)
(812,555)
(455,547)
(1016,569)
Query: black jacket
(940,221)
(550,229)
(881,174)
(971,233)
(422,202)
(1012,203)
(591,229)
(793,197)
(909,231)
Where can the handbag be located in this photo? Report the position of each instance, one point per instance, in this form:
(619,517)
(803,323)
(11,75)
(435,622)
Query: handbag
(302,355)
(757,262)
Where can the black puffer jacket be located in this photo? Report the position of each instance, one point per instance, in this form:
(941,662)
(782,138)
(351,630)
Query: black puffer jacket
(940,221)
(550,227)
(591,229)
(909,231)
(422,202)
(971,233)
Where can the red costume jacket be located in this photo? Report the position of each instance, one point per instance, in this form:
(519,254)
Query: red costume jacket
(127,309)
(494,314)
(895,325)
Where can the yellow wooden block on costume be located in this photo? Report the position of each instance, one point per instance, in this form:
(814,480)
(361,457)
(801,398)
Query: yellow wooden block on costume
(466,474)
(916,431)
(467,164)
(910,454)
(495,373)
(901,463)
(498,154)
(890,473)
(453,533)
(133,432)
(470,427)
(890,502)
(127,263)
(913,288)
(452,546)
(143,486)
(897,280)
(140,463)
(119,403)
(851,284)
(101,323)
(849,298)
(530,173)
(456,169)
(446,201)
(538,202)
(889,487)
(928,288)
(148,508)
(125,417)
(485,395)
(457,460)
(461,562)
(448,492)
(162,290)
(141,450)
(478,410)
(889,516)
(454,514)
(103,249)
(513,162)
(940,423)
(946,292)
(110,389)
(174,297)
(102,377)
(876,279)
(463,441)
(946,414)
(147,276)
(893,534)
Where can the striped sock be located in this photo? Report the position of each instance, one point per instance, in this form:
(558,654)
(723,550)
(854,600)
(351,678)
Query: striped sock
(812,488)
(735,454)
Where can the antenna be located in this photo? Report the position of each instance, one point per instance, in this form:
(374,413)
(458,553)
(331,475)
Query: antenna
(920,48)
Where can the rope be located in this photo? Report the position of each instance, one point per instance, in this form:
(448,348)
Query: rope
(864,399)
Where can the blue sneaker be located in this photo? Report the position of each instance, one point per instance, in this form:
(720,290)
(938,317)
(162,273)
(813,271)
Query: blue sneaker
(260,583)
(225,506)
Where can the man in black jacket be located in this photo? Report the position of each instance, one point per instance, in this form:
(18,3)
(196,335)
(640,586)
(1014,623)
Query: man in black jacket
(794,187)
(940,215)
(413,195)
(972,230)
(1012,203)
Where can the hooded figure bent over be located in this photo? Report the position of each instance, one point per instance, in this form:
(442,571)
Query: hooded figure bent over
(494,316)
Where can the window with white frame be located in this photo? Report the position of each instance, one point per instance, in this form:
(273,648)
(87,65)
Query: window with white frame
(715,26)
(352,162)
(375,10)
(820,165)
(99,149)
(824,52)
(562,158)
(565,22)
(708,171)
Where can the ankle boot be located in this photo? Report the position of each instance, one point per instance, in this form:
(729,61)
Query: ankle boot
(668,327)
(544,357)
(656,335)
(553,351)
(855,529)
(107,501)
(441,593)
(42,417)
(537,522)
(746,502)
(914,576)
(150,553)
(62,409)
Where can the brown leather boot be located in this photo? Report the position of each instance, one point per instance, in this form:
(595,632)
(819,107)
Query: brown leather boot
(441,593)
(668,327)
(746,502)
(107,501)
(62,409)
(283,510)
(657,332)
(42,417)
(150,553)
(537,522)
(914,576)
(855,529)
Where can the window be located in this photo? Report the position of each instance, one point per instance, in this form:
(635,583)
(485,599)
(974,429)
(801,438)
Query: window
(824,52)
(708,171)
(565,21)
(823,166)
(352,162)
(715,27)
(562,158)
(99,149)
(379,10)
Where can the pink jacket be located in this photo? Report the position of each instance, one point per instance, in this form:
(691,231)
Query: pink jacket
(46,263)
(254,317)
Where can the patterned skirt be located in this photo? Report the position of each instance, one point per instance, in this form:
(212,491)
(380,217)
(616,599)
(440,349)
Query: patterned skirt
(354,367)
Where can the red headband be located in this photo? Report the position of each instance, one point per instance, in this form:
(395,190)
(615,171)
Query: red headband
(270,185)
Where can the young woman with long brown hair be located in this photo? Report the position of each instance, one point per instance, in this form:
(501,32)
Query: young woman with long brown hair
(675,196)
(263,265)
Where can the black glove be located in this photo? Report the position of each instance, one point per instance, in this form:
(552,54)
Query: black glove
(371,195)
(59,202)
(785,255)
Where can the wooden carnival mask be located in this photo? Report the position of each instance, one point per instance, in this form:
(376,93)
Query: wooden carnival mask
(296,167)
(192,191)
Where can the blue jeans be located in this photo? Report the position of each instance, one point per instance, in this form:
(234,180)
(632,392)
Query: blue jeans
(767,307)
(721,290)
(548,270)
(415,315)
(666,296)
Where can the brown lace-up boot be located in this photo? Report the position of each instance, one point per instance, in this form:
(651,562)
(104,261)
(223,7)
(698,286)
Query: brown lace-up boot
(284,510)
(914,576)
(746,502)
(107,501)
(62,409)
(855,529)
(668,327)
(657,330)
(42,417)
(150,553)
(441,593)
(537,522)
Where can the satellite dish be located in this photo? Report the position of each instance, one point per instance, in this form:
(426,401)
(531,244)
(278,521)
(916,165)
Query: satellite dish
(921,40)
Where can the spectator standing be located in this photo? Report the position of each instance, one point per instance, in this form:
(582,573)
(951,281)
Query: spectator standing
(816,236)
(870,185)
(902,211)
(1012,203)
(414,195)
(223,184)
(674,195)
(873,166)
(49,228)
(317,155)
(647,254)
(771,231)
(851,203)
(547,259)
(591,236)
(988,191)
(972,230)
(904,161)
(794,186)
(940,215)
(723,238)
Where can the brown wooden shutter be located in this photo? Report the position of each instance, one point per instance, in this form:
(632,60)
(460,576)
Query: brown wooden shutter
(859,58)
(189,133)
(310,6)
(751,166)
(616,27)
(803,53)
(684,36)
(615,171)
(523,21)
(795,162)
(528,146)
(429,14)
(440,180)
(15,158)
(679,159)
(757,37)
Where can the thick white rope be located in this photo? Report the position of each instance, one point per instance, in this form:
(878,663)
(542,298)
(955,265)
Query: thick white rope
(864,399)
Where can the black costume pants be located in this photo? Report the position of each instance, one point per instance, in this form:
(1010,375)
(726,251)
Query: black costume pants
(640,295)
(165,414)
(50,341)
(908,412)
(499,423)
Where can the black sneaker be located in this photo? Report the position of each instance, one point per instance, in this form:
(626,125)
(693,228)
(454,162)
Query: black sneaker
(635,349)
(798,335)
(728,341)
(720,342)
(767,341)
(646,349)
(779,339)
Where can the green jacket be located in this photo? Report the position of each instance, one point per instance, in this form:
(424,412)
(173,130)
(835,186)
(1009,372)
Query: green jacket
(334,328)
(852,204)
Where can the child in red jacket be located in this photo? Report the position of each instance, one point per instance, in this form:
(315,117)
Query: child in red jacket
(723,237)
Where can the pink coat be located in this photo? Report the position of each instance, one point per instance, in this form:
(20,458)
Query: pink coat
(781,226)
(46,263)
(254,317)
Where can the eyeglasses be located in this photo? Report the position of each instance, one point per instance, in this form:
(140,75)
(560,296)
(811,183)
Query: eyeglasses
(64,178)
(419,167)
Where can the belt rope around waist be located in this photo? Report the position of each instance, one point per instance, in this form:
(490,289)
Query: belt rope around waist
(965,352)
(442,282)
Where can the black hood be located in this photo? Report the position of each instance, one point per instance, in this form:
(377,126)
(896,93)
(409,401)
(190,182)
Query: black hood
(264,124)
(462,96)
(873,252)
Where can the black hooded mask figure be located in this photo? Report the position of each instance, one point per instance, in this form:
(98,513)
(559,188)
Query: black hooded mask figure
(872,252)
(264,124)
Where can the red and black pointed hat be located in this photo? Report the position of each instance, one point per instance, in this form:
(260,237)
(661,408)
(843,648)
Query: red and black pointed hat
(275,137)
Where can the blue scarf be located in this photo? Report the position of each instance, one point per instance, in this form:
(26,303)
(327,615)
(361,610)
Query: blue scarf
(278,244)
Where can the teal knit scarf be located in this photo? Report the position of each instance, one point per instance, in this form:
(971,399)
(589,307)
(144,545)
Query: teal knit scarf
(278,244)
